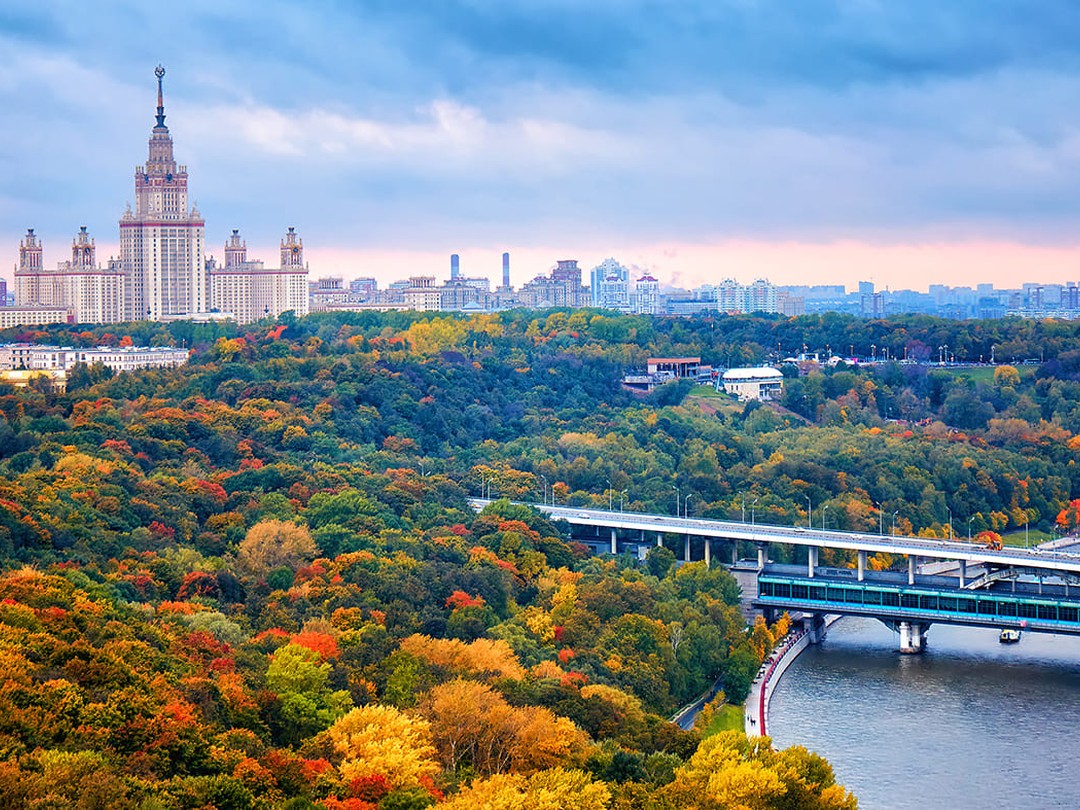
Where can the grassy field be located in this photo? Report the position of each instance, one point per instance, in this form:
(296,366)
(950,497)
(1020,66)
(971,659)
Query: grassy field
(729,718)
(1034,537)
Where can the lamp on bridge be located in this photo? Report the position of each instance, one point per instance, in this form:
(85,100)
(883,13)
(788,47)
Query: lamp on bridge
(826,506)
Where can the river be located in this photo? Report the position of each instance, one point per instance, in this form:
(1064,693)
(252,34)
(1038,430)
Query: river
(971,723)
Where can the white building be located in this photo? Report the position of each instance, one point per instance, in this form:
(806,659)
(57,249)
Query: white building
(761,383)
(33,316)
(251,291)
(27,356)
(647,296)
(161,241)
(91,293)
(611,286)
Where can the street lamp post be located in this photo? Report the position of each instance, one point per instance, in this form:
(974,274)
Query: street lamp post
(752,508)
(676,500)
(742,503)
(881,519)
(622,501)
(947,509)
(969,527)
(609,488)
(544,479)
(686,504)
(892,531)
(809,511)
(826,506)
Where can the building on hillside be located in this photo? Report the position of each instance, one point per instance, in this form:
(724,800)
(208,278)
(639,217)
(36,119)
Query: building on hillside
(34,357)
(90,293)
(762,383)
(161,240)
(250,291)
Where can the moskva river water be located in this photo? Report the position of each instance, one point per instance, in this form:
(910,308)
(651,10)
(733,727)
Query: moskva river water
(971,723)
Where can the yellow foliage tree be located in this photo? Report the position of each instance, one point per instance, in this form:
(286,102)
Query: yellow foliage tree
(555,789)
(271,544)
(380,740)
(472,724)
(483,657)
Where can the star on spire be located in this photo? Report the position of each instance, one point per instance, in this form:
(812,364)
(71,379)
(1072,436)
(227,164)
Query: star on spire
(159,71)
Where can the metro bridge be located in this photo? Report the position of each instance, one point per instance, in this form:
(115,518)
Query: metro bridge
(1009,590)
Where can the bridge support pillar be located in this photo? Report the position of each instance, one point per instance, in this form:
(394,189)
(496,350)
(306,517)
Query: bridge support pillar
(659,539)
(911,569)
(815,627)
(614,543)
(963,572)
(912,638)
(734,553)
(811,560)
(686,549)
(708,553)
(862,565)
(762,556)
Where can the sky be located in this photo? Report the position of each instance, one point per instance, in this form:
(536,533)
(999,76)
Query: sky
(804,142)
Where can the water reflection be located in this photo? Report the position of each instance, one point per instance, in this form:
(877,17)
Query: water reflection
(972,723)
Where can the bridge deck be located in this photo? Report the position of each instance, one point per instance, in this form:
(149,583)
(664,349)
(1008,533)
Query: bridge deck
(931,599)
(1050,560)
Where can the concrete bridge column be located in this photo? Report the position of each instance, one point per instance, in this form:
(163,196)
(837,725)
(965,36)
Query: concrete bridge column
(912,638)
(911,569)
(708,553)
(862,565)
(614,543)
(659,539)
(963,572)
(686,549)
(762,556)
(815,626)
(734,552)
(811,560)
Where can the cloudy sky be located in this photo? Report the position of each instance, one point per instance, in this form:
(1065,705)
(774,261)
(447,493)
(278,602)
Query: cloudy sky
(807,142)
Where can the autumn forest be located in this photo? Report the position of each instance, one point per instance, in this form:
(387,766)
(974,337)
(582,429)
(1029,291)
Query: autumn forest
(256,582)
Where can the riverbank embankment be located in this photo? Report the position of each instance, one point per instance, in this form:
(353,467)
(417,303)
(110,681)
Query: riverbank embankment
(756,714)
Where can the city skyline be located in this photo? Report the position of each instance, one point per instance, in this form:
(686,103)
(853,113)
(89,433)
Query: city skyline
(874,144)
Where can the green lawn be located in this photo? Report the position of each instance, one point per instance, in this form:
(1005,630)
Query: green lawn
(707,392)
(729,718)
(1034,537)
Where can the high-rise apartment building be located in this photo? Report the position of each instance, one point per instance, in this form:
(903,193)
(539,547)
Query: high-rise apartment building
(161,241)
(647,296)
(611,286)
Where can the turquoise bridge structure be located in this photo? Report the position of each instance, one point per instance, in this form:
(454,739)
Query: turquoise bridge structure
(1035,590)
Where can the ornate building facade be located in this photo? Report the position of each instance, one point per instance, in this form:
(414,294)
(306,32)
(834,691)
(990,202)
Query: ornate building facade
(251,291)
(90,293)
(161,241)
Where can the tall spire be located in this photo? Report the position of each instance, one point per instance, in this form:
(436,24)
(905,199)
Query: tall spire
(159,71)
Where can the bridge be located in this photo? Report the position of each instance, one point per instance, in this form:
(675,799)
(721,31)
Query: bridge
(1009,589)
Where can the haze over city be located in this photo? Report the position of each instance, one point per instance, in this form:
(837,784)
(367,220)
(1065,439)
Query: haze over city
(824,144)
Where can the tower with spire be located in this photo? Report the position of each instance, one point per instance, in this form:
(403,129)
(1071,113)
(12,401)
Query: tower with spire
(161,240)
